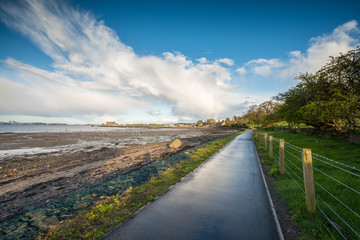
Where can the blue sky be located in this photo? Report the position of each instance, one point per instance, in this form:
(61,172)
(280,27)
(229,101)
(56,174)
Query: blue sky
(160,61)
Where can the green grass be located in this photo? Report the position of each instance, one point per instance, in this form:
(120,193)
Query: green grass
(290,185)
(102,217)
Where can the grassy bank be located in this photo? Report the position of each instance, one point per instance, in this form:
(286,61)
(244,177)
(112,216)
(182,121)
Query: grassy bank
(101,218)
(337,184)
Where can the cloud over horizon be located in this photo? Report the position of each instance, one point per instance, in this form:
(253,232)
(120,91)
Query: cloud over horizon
(316,56)
(95,72)
(96,76)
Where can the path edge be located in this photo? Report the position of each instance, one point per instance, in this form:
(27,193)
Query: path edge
(278,227)
(170,188)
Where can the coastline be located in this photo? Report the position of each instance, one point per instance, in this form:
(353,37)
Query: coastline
(33,140)
(30,181)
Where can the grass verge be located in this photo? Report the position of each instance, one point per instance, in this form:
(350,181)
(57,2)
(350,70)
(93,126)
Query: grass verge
(331,196)
(102,217)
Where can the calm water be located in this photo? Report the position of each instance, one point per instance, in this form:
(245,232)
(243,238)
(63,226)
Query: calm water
(80,137)
(52,128)
(76,128)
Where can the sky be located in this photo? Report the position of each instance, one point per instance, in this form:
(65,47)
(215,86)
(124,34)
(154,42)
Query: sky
(87,61)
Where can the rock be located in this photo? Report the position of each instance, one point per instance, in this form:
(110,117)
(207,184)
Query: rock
(103,149)
(176,143)
(29,208)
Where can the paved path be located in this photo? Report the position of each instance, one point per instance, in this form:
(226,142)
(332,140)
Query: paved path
(225,198)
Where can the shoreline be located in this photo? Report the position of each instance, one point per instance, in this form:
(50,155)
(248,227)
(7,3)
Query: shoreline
(30,182)
(20,143)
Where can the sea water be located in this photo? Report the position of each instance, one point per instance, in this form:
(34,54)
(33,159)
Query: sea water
(127,135)
(6,128)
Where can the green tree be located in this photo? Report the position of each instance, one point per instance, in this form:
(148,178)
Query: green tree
(330,98)
(258,113)
(228,122)
(199,123)
(210,122)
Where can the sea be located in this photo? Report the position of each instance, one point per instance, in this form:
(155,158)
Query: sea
(117,137)
(28,128)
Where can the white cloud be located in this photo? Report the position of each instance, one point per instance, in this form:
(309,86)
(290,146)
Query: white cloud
(96,73)
(263,67)
(316,56)
(321,48)
(241,70)
(226,61)
(98,77)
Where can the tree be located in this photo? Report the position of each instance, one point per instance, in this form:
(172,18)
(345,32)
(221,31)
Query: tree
(228,122)
(210,122)
(330,98)
(292,101)
(258,113)
(199,123)
(339,82)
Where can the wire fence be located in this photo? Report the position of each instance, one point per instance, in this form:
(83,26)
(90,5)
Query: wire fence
(337,187)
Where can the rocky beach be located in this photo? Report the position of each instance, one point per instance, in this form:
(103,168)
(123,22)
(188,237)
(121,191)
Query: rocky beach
(73,161)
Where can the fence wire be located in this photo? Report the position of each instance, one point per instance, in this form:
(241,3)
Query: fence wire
(338,200)
(338,211)
(331,160)
(346,223)
(340,168)
(338,181)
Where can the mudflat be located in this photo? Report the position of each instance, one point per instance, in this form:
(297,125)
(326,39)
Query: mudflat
(80,160)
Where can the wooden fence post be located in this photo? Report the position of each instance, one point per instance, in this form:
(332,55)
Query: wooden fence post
(282,156)
(271,146)
(265,141)
(309,180)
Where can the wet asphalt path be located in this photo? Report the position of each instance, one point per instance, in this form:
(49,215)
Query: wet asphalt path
(225,198)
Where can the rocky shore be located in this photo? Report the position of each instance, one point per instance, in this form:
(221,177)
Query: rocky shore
(31,181)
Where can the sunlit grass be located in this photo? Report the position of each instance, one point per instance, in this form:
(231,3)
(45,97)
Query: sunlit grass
(290,186)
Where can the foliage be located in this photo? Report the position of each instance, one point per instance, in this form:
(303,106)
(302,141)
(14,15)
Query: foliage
(258,113)
(236,122)
(210,122)
(199,123)
(228,122)
(330,98)
(327,99)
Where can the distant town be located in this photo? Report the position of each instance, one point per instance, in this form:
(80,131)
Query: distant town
(200,123)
